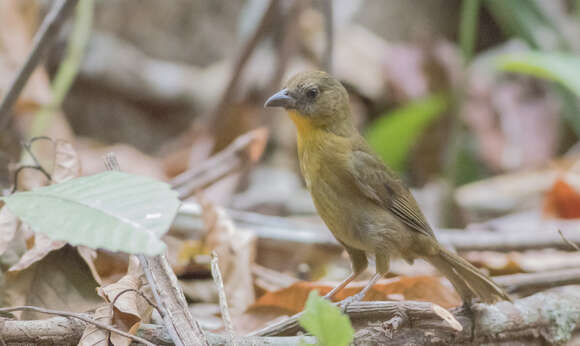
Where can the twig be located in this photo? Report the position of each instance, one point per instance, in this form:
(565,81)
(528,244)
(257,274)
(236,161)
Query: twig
(217,278)
(244,150)
(538,281)
(140,294)
(329,35)
(177,318)
(572,245)
(281,229)
(242,59)
(81,317)
(184,330)
(28,147)
(45,36)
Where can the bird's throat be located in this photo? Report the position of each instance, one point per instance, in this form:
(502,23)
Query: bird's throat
(304,125)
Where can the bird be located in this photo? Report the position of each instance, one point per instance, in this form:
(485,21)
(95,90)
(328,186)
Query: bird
(366,206)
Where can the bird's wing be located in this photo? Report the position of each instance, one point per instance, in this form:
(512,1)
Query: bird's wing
(381,185)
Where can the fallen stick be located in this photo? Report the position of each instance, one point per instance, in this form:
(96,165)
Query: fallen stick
(547,317)
(244,150)
(281,229)
(45,36)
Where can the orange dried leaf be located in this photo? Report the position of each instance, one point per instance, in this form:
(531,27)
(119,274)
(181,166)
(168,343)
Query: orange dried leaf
(562,201)
(421,288)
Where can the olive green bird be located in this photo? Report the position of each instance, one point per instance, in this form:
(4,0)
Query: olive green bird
(364,204)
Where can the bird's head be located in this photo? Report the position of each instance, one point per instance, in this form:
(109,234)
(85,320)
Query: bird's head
(314,99)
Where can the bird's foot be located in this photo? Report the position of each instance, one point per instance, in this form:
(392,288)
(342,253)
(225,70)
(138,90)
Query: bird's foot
(343,304)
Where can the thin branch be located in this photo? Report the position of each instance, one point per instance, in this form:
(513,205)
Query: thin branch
(17,173)
(28,147)
(244,150)
(46,35)
(140,294)
(538,281)
(225,311)
(572,245)
(329,35)
(81,317)
(241,61)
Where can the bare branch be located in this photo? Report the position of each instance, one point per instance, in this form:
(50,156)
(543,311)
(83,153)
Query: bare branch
(81,317)
(217,278)
(244,150)
(45,36)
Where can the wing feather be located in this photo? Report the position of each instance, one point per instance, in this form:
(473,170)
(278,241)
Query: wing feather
(382,186)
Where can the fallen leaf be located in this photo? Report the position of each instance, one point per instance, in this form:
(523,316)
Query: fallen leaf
(420,288)
(9,224)
(562,201)
(130,308)
(236,250)
(66,162)
(132,160)
(43,245)
(89,255)
(95,336)
(60,281)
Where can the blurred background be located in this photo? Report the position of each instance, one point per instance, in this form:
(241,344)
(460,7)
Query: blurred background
(474,103)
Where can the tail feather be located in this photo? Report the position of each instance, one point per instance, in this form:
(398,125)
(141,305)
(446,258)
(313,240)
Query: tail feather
(467,280)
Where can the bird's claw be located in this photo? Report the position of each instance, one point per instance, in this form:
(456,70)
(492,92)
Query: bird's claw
(343,304)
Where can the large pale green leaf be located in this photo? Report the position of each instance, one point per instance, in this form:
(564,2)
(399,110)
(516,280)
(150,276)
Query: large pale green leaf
(111,210)
(325,321)
(394,134)
(560,67)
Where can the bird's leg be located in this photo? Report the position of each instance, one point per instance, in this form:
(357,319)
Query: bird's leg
(359,263)
(341,285)
(382,265)
(360,295)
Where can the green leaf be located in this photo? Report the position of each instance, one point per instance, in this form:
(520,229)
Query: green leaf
(325,321)
(69,67)
(468,27)
(394,133)
(112,210)
(527,20)
(559,67)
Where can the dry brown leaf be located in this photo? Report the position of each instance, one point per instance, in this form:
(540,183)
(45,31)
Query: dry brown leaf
(132,160)
(130,308)
(89,256)
(95,336)
(43,245)
(60,281)
(236,251)
(562,201)
(9,224)
(421,288)
(66,162)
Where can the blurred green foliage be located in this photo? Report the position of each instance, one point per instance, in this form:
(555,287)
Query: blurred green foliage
(563,68)
(394,133)
(325,321)
(69,67)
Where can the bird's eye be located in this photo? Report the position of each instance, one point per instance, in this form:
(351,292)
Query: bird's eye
(312,93)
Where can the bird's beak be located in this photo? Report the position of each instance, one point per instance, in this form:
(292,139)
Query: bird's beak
(281,99)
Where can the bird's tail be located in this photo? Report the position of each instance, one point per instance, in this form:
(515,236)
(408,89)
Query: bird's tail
(468,281)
